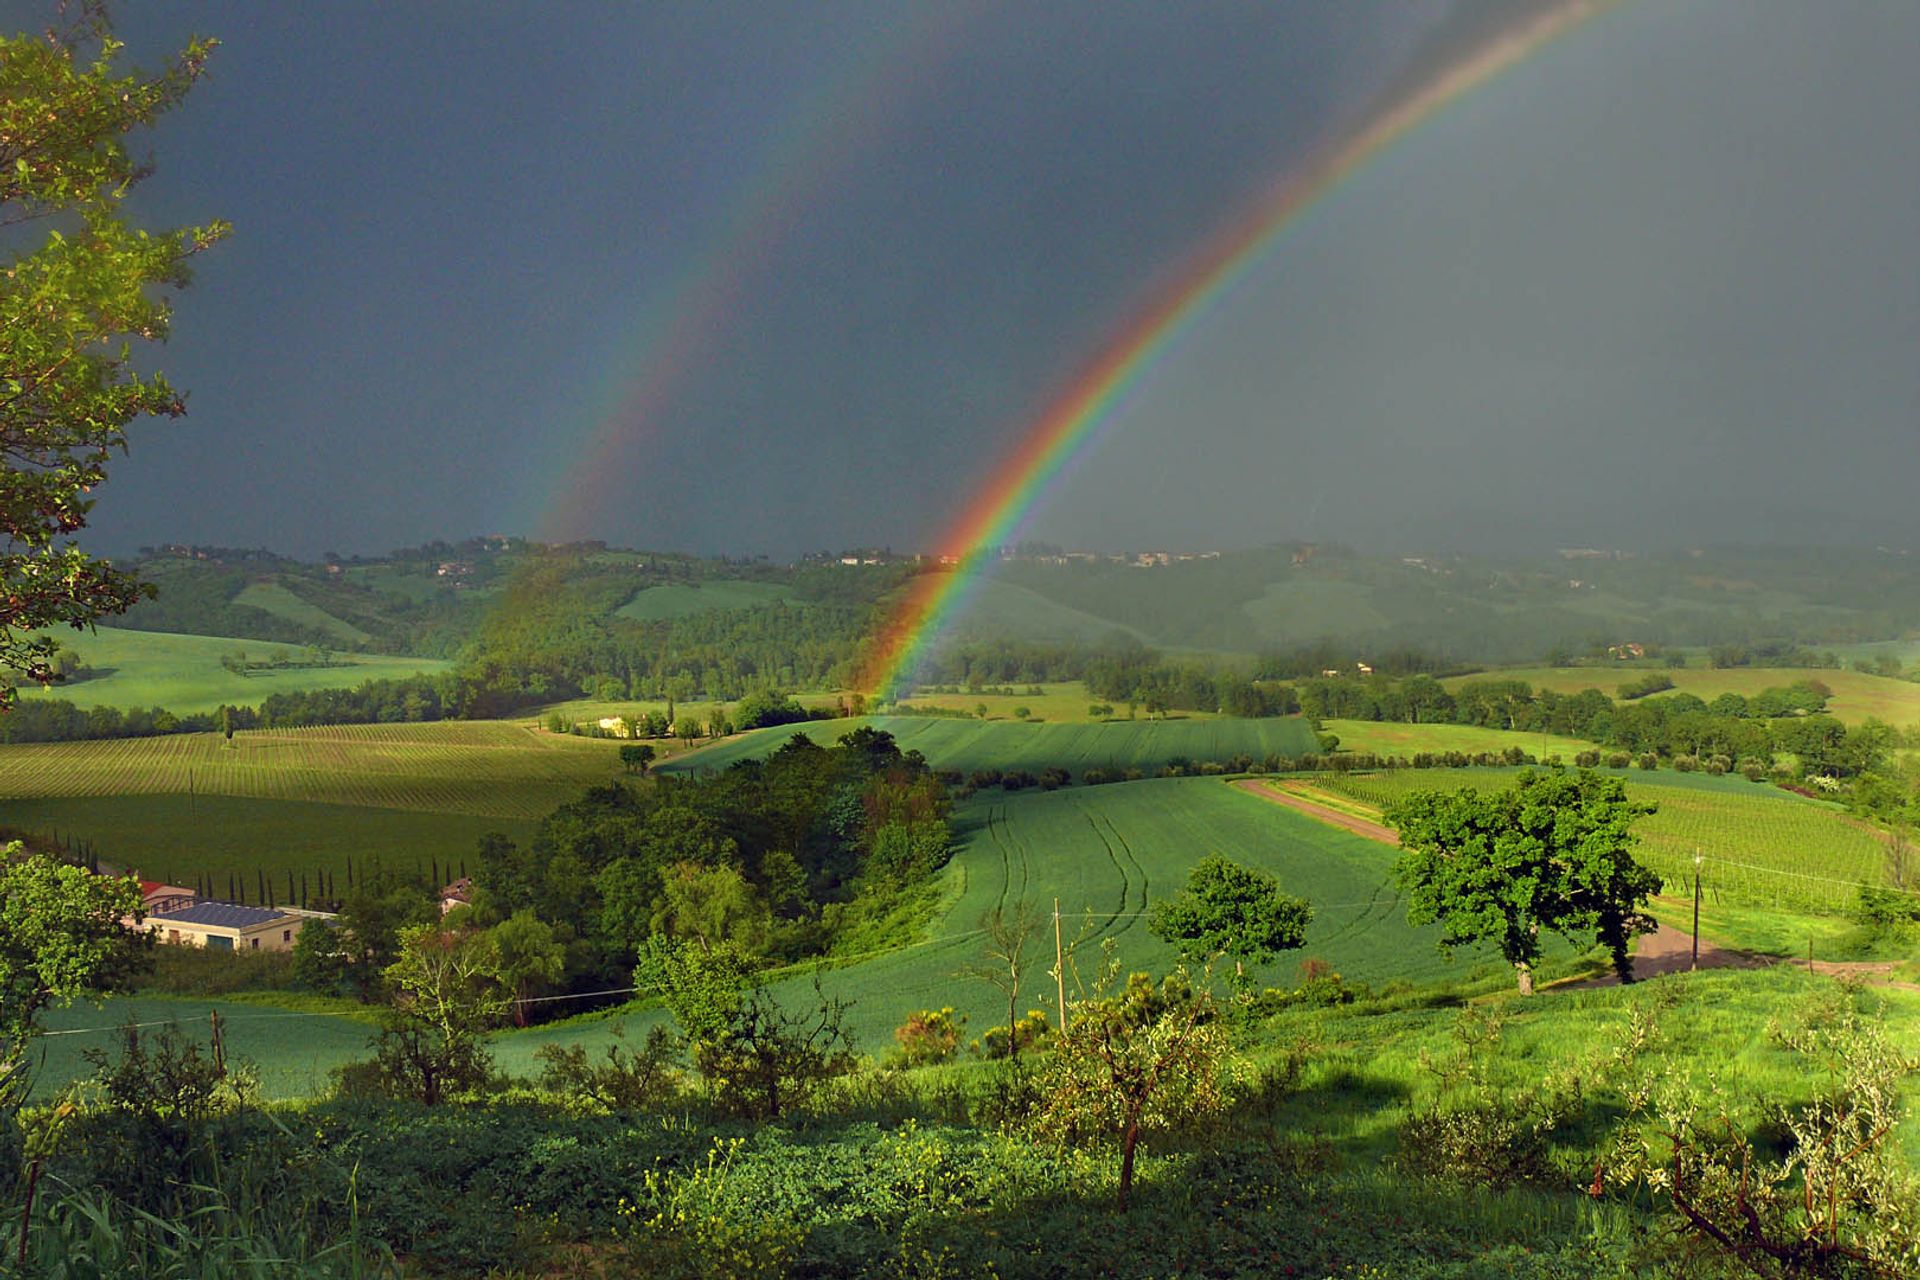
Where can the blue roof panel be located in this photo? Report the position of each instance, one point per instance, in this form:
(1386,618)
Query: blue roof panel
(226,915)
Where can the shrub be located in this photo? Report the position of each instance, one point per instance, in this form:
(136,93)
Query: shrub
(1618,760)
(928,1036)
(628,1080)
(1027,1033)
(1648,761)
(1587,759)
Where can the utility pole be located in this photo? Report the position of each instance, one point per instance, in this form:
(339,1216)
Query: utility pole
(1697,860)
(1060,965)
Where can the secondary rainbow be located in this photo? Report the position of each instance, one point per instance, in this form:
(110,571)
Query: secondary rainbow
(1072,421)
(677,336)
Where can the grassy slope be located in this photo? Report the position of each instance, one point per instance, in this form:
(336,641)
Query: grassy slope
(1764,846)
(999,608)
(1108,853)
(293,1051)
(485,768)
(1855,696)
(679,600)
(1061,703)
(300,797)
(1383,738)
(271,597)
(1009,744)
(183,673)
(174,837)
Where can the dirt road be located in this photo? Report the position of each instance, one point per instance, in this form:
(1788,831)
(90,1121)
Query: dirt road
(1314,809)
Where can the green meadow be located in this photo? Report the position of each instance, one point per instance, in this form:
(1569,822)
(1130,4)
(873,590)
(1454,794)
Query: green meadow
(183,673)
(294,1051)
(679,600)
(298,798)
(1762,846)
(1390,738)
(176,837)
(273,598)
(1108,854)
(1062,702)
(967,745)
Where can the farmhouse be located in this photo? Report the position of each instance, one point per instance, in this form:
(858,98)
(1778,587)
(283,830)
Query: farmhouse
(225,926)
(155,896)
(457,894)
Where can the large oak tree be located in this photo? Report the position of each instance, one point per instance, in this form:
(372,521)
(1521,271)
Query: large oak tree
(1555,852)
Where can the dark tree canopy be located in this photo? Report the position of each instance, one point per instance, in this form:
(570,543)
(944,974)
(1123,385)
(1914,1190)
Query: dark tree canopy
(1555,852)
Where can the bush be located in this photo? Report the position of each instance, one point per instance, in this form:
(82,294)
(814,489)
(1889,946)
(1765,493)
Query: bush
(628,1080)
(1648,761)
(1028,1032)
(928,1036)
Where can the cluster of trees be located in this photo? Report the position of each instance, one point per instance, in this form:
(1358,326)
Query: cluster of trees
(773,859)
(1731,728)
(241,663)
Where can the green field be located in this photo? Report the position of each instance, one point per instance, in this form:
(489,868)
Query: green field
(1108,853)
(175,837)
(1060,703)
(1001,609)
(294,1052)
(593,710)
(183,673)
(1386,738)
(486,768)
(1855,696)
(273,598)
(1010,744)
(298,798)
(679,600)
(1763,846)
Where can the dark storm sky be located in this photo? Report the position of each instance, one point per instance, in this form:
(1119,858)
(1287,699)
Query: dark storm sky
(778,277)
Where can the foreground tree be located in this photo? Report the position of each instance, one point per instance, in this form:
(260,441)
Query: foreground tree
(759,1057)
(1830,1195)
(1145,1058)
(1230,910)
(1554,852)
(61,935)
(67,311)
(1007,933)
(447,994)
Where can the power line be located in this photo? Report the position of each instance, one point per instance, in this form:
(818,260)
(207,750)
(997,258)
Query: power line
(1801,875)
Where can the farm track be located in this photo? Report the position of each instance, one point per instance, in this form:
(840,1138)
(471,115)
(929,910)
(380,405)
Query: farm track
(1320,812)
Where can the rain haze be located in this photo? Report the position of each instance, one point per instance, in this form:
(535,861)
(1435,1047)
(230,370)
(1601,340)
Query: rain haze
(752,278)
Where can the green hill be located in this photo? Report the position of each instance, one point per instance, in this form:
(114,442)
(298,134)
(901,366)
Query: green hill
(1002,744)
(183,673)
(681,600)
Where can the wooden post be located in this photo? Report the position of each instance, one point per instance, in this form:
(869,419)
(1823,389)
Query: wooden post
(219,1046)
(1060,965)
(1696,910)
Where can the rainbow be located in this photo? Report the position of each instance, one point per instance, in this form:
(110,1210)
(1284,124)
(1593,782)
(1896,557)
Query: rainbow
(677,335)
(1073,420)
